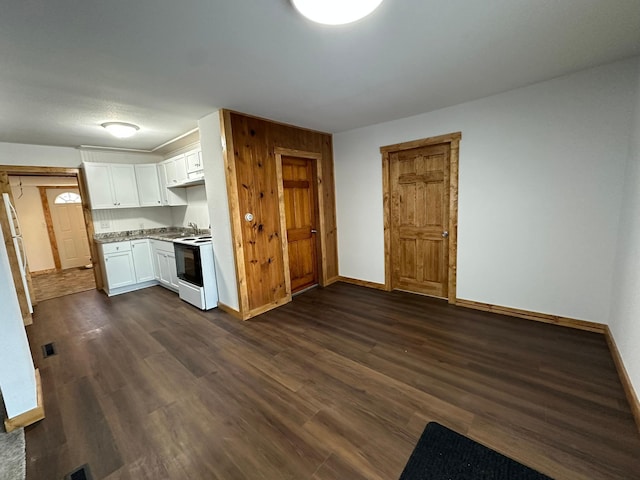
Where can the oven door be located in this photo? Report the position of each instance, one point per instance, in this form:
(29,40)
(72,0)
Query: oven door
(188,263)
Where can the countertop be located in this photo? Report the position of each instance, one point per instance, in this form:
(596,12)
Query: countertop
(164,234)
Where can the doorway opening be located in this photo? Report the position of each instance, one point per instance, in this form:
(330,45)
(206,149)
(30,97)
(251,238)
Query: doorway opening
(56,228)
(420,187)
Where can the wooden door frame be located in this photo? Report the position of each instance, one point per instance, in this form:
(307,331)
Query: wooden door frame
(19,170)
(321,253)
(453,139)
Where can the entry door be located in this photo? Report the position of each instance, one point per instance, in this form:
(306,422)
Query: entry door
(69,228)
(419,181)
(300,212)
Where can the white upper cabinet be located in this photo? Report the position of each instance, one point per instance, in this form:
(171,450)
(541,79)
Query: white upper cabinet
(123,178)
(148,185)
(170,196)
(194,161)
(176,169)
(111,185)
(99,185)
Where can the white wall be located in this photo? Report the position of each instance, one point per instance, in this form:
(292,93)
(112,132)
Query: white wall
(215,182)
(197,210)
(540,175)
(17,375)
(38,155)
(625,303)
(34,228)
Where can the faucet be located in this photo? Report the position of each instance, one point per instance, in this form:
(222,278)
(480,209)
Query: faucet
(194,226)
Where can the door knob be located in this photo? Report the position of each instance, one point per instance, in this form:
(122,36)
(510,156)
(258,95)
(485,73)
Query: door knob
(314,231)
(445,234)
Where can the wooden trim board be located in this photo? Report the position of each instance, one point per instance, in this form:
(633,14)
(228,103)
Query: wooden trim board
(538,317)
(30,416)
(228,152)
(453,139)
(629,391)
(362,283)
(53,242)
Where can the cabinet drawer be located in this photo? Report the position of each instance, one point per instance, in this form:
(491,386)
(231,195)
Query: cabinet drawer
(116,247)
(163,246)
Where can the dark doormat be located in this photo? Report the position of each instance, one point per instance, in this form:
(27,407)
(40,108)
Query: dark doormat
(442,454)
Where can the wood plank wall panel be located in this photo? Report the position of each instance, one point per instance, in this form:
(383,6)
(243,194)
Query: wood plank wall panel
(254,142)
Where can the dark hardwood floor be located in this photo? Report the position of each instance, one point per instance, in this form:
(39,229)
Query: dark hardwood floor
(338,384)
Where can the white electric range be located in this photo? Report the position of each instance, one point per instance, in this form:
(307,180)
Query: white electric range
(196,271)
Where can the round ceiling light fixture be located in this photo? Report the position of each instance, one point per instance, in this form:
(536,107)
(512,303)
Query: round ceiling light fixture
(335,12)
(121,129)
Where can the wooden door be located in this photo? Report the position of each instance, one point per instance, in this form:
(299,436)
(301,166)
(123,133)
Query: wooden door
(69,228)
(300,213)
(419,181)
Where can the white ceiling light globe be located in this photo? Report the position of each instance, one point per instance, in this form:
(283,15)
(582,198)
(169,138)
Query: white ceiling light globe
(335,12)
(120,129)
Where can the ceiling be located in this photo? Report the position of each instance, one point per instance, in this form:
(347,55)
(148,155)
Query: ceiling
(66,66)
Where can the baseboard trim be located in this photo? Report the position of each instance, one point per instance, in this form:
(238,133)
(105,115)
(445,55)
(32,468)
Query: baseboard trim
(536,316)
(363,283)
(231,311)
(265,308)
(632,398)
(30,416)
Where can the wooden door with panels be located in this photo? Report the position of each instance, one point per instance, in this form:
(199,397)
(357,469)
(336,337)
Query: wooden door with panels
(420,191)
(300,208)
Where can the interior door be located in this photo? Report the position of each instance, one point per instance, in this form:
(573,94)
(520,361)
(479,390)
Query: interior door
(69,229)
(300,212)
(419,184)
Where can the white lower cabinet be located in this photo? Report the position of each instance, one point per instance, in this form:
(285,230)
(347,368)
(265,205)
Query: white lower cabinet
(117,260)
(130,265)
(118,269)
(142,260)
(165,264)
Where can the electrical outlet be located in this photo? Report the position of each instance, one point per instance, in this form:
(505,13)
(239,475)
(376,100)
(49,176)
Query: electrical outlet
(141,225)
(104,224)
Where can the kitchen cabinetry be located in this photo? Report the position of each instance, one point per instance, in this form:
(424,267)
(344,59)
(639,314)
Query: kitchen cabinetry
(165,264)
(195,167)
(148,185)
(111,185)
(142,260)
(170,196)
(127,266)
(176,170)
(118,265)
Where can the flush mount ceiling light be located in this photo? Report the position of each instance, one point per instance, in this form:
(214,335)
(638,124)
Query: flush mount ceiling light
(120,129)
(335,12)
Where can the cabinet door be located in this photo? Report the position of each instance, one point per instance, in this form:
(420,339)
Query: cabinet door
(142,260)
(170,196)
(170,167)
(99,185)
(125,190)
(148,185)
(173,270)
(194,162)
(119,269)
(180,169)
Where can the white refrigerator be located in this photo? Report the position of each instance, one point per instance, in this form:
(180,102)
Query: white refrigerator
(17,374)
(18,242)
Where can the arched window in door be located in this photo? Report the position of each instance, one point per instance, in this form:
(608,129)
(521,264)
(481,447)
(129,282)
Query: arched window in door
(68,197)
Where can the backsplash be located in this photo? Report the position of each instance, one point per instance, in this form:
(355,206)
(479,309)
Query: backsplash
(118,220)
